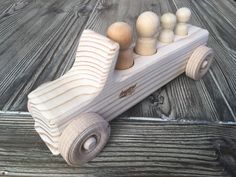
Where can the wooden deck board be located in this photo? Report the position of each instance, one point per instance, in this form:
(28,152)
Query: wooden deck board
(37,44)
(136,148)
(38,40)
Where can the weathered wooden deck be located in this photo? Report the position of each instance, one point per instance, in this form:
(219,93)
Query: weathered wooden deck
(192,131)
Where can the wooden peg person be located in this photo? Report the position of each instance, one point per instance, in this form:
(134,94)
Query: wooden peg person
(121,33)
(168,22)
(183,16)
(147,26)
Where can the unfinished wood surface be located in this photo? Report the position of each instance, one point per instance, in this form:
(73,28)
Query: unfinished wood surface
(183,16)
(84,138)
(136,148)
(38,41)
(92,85)
(82,89)
(37,44)
(147,28)
(121,33)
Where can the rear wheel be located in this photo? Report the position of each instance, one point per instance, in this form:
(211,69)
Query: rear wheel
(84,138)
(199,62)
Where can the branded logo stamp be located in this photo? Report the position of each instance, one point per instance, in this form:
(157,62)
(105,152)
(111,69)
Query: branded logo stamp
(128,91)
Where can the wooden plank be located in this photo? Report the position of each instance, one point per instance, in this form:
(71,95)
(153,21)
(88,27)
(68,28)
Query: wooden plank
(97,88)
(220,23)
(47,51)
(209,97)
(180,99)
(224,45)
(37,44)
(136,148)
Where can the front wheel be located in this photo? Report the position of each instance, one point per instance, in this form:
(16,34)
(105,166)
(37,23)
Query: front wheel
(199,62)
(84,138)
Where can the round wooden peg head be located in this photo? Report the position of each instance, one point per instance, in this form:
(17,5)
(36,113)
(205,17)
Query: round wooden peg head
(168,21)
(183,15)
(121,33)
(147,24)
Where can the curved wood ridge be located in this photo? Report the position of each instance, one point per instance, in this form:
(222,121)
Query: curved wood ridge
(95,60)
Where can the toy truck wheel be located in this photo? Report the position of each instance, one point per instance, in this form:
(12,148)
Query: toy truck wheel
(199,62)
(84,138)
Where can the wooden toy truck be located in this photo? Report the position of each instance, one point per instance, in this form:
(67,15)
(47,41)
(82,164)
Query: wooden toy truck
(71,113)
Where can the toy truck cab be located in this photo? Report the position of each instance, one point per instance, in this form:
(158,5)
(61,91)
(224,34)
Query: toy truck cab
(71,113)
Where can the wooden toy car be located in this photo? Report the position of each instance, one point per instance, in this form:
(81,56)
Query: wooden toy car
(71,113)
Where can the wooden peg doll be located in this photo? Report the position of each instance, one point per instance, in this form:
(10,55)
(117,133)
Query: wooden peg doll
(147,27)
(121,33)
(168,22)
(183,15)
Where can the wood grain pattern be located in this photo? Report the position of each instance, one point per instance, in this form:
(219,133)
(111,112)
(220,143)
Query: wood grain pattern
(206,14)
(136,148)
(54,104)
(92,85)
(180,98)
(37,44)
(33,59)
